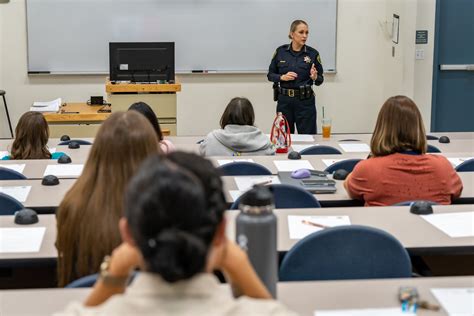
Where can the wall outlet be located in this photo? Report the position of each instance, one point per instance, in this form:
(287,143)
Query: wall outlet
(419,54)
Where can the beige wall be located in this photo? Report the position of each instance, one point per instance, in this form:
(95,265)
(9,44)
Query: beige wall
(367,73)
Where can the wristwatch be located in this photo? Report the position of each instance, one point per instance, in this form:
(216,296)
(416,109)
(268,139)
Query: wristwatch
(109,279)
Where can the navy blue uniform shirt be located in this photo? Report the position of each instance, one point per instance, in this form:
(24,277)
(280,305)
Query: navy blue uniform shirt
(285,60)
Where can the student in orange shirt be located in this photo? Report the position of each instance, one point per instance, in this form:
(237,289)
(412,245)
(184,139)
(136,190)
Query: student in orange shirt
(399,168)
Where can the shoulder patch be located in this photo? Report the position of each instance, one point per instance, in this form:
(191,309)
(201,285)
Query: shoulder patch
(319,59)
(274,54)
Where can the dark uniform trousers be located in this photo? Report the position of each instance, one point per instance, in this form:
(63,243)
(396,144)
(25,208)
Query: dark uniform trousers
(301,112)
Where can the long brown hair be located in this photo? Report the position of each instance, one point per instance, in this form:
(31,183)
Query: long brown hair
(239,111)
(87,218)
(32,134)
(399,128)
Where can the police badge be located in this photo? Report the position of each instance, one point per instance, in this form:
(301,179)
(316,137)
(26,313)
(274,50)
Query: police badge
(307,59)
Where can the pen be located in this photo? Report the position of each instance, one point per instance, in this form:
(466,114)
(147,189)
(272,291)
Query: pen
(70,113)
(265,182)
(314,224)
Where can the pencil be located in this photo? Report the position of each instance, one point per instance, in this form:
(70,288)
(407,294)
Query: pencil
(314,224)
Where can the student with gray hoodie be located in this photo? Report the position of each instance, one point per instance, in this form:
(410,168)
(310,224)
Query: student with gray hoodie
(237,136)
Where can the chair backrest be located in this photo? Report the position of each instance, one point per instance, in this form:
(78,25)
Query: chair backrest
(89,281)
(409,203)
(433,149)
(288,196)
(431,137)
(79,141)
(9,205)
(466,166)
(344,253)
(244,168)
(320,150)
(347,164)
(9,174)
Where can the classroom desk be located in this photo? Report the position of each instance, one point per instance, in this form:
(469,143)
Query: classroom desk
(340,197)
(301,297)
(415,234)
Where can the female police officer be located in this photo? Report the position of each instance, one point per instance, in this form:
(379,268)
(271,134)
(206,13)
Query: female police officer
(295,67)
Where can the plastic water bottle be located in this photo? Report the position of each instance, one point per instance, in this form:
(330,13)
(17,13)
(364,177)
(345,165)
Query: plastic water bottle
(256,233)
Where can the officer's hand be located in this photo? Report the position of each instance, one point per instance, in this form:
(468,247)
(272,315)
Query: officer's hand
(289,76)
(313,72)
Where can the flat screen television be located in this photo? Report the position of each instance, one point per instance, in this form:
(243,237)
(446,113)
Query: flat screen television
(142,61)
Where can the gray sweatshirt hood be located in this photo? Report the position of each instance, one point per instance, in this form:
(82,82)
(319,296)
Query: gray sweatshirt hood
(242,138)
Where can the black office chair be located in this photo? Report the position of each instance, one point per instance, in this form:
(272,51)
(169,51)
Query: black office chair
(466,166)
(9,174)
(2,93)
(347,164)
(320,150)
(244,168)
(433,149)
(9,205)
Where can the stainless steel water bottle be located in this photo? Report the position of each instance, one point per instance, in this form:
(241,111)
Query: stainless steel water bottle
(256,233)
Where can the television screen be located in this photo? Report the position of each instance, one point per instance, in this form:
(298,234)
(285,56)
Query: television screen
(142,62)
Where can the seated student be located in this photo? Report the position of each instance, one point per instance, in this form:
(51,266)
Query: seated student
(143,108)
(178,241)
(399,169)
(32,134)
(237,135)
(88,216)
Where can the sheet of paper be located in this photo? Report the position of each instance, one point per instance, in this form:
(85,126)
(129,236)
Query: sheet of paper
(3,154)
(17,167)
(235,194)
(453,224)
(457,161)
(222,162)
(299,148)
(301,226)
(63,170)
(456,301)
(392,311)
(291,165)
(21,239)
(330,162)
(355,147)
(302,138)
(18,192)
(245,183)
(50,106)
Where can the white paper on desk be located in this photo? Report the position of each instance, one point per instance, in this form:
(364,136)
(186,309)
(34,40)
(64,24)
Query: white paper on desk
(18,192)
(63,170)
(355,147)
(292,165)
(245,183)
(49,106)
(391,311)
(457,161)
(330,162)
(456,301)
(4,153)
(453,224)
(299,148)
(299,230)
(17,167)
(302,138)
(222,162)
(235,194)
(21,239)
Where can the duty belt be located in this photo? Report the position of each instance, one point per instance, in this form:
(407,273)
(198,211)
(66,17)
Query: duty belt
(292,92)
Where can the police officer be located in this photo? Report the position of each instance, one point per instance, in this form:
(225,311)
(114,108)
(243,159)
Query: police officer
(295,67)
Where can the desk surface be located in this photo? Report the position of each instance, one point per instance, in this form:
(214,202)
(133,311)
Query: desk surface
(415,234)
(301,297)
(85,114)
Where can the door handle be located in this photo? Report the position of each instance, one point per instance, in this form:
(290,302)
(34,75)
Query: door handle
(457,67)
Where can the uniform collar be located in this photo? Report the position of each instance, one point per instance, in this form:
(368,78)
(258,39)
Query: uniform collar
(303,49)
(203,284)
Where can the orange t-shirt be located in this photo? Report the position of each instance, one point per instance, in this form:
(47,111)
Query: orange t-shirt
(400,177)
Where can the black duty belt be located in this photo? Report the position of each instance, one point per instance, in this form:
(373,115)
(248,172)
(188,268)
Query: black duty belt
(292,92)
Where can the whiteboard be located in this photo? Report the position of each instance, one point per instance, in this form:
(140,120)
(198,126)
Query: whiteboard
(72,36)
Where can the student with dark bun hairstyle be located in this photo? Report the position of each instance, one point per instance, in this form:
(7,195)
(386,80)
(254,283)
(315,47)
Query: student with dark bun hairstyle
(177,238)
(237,135)
(143,108)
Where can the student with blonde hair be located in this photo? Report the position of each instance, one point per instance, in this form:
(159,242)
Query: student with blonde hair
(399,168)
(88,216)
(32,134)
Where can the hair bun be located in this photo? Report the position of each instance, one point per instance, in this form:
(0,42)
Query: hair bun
(176,255)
